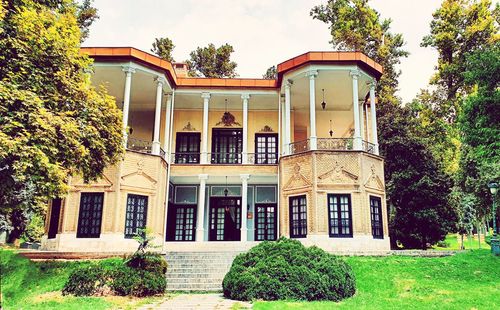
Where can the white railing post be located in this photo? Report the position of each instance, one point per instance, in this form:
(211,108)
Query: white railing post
(355,101)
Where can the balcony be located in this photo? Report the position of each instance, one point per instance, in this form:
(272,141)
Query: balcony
(142,146)
(227,158)
(331,144)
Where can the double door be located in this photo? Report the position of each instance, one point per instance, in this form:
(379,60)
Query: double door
(182,223)
(265,226)
(225,219)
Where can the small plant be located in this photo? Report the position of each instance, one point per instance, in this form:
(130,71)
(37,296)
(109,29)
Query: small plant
(144,237)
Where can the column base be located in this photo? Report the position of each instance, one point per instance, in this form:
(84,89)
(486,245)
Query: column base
(358,144)
(204,158)
(244,234)
(200,233)
(155,149)
(313,143)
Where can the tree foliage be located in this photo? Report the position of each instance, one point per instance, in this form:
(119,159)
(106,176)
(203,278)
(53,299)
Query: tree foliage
(271,73)
(53,123)
(86,16)
(212,62)
(163,47)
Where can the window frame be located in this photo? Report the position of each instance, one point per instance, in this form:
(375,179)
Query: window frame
(193,140)
(266,152)
(339,218)
(221,145)
(91,211)
(375,235)
(135,214)
(301,219)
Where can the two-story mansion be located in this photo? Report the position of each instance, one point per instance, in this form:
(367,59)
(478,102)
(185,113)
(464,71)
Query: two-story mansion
(214,164)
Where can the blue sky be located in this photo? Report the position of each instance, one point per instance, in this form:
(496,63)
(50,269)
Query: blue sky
(262,32)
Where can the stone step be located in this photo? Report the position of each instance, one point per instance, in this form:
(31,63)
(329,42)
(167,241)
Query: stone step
(199,264)
(171,275)
(217,280)
(195,287)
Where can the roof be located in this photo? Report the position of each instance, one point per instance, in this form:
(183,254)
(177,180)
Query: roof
(156,63)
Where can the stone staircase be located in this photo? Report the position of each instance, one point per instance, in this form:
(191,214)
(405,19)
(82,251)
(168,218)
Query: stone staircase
(197,271)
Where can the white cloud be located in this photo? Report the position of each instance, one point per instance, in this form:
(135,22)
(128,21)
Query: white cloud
(262,32)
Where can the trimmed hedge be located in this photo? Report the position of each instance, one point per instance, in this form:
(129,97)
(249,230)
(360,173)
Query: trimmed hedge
(142,274)
(285,269)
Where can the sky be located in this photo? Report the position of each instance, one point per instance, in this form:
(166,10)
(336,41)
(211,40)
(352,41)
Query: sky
(262,32)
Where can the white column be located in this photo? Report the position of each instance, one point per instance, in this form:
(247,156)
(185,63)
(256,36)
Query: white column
(355,103)
(200,216)
(287,132)
(367,123)
(362,122)
(244,154)
(244,206)
(283,129)
(166,131)
(374,117)
(156,131)
(126,100)
(204,139)
(312,110)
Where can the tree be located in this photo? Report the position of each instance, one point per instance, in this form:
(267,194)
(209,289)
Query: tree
(163,47)
(479,123)
(458,28)
(212,62)
(416,187)
(53,123)
(271,73)
(86,15)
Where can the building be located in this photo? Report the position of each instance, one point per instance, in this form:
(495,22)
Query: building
(216,164)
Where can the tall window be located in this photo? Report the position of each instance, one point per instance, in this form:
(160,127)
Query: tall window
(298,216)
(226,146)
(376,216)
(89,219)
(55,212)
(137,210)
(187,148)
(266,148)
(339,215)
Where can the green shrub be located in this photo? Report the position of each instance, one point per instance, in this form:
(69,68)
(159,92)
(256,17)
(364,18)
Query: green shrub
(142,274)
(86,281)
(285,269)
(130,281)
(148,261)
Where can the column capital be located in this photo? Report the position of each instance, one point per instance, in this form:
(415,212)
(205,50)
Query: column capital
(168,95)
(312,74)
(203,177)
(288,84)
(244,177)
(245,96)
(372,83)
(160,80)
(128,69)
(354,74)
(205,95)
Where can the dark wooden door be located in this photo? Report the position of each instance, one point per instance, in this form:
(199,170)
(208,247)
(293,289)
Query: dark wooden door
(55,214)
(225,219)
(181,223)
(226,146)
(266,222)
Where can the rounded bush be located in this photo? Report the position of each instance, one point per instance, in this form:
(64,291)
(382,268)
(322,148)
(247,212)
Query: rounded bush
(285,269)
(139,283)
(86,281)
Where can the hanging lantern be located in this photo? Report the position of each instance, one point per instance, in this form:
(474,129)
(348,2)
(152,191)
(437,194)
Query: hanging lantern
(323,104)
(226,191)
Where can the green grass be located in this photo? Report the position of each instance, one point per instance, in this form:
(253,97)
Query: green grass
(468,280)
(37,285)
(453,243)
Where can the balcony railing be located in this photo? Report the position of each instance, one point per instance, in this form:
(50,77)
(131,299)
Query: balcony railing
(331,144)
(142,146)
(226,158)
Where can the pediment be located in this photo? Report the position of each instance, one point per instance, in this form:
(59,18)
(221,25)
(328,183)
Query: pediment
(103,182)
(338,175)
(139,179)
(297,179)
(374,181)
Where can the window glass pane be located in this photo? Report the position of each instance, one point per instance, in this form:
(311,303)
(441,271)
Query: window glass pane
(234,191)
(266,194)
(186,194)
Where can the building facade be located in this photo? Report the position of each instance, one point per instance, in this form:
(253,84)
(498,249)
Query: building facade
(222,164)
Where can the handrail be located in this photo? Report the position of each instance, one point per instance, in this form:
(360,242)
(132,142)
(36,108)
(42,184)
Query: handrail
(330,144)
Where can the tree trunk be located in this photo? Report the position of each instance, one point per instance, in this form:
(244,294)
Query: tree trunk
(479,234)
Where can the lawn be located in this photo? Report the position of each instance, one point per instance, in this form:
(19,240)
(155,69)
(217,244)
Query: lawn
(469,280)
(29,285)
(453,243)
